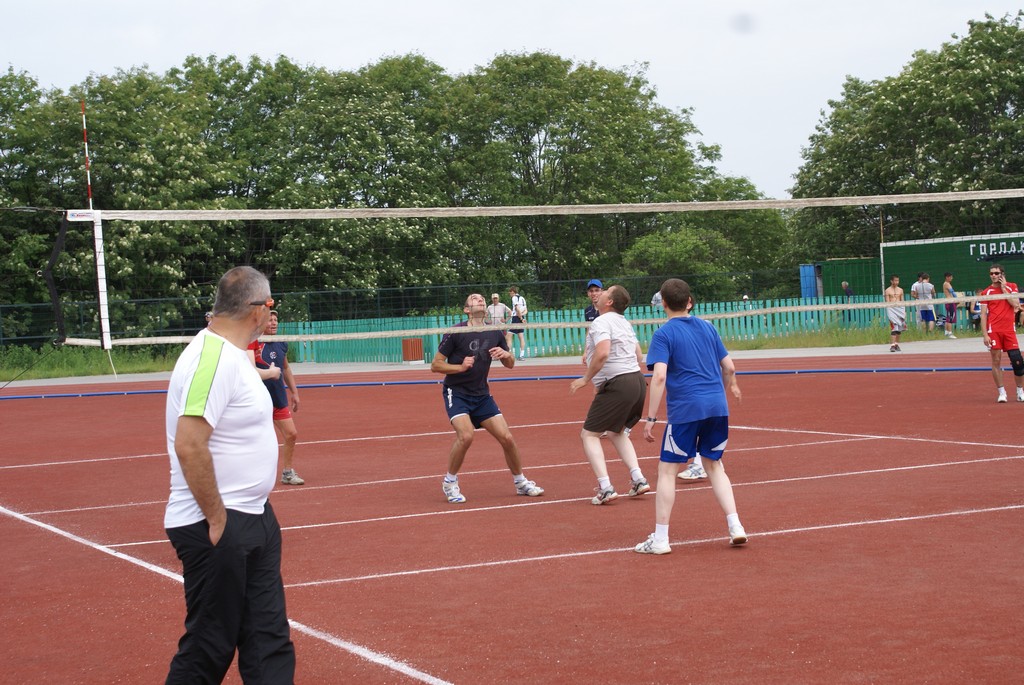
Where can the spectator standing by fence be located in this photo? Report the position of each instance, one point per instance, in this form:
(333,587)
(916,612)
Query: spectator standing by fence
(924,291)
(498,313)
(519,313)
(847,299)
(594,289)
(897,315)
(951,307)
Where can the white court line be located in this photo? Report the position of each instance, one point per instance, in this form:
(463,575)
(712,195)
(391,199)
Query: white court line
(882,437)
(72,462)
(432,476)
(369,655)
(367,438)
(616,550)
(357,650)
(372,438)
(456,511)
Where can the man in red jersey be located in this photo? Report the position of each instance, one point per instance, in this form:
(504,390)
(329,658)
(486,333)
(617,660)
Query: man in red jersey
(998,333)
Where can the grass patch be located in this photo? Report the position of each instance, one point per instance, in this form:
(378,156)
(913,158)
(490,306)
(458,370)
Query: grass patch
(25,363)
(837,336)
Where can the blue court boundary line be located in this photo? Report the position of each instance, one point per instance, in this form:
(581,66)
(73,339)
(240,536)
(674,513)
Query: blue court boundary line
(439,381)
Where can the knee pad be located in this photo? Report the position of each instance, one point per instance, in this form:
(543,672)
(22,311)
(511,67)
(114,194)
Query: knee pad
(1017,362)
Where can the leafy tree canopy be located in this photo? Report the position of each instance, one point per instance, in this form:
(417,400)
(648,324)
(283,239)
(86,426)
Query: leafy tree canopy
(950,121)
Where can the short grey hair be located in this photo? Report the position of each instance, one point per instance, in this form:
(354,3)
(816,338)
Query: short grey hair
(237,289)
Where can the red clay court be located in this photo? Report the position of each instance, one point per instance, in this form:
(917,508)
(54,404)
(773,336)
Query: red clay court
(883,510)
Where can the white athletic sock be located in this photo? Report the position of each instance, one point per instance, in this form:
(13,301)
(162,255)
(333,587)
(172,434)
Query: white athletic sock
(519,479)
(698,462)
(604,483)
(636,474)
(449,478)
(732,520)
(661,532)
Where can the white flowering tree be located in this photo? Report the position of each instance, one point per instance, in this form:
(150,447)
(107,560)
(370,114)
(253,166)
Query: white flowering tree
(951,120)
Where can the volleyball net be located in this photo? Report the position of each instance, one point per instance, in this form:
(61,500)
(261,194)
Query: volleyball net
(368,279)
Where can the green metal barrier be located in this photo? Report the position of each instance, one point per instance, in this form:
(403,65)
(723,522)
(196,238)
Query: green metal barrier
(570,341)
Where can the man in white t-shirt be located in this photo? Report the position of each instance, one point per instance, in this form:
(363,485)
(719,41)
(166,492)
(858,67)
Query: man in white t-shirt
(518,316)
(613,365)
(223,454)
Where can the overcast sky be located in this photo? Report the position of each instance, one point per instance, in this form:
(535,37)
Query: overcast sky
(757,73)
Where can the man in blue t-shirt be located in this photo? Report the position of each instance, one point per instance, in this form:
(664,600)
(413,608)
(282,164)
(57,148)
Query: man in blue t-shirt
(465,360)
(689,361)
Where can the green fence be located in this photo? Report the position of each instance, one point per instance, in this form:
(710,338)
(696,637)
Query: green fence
(568,341)
(561,341)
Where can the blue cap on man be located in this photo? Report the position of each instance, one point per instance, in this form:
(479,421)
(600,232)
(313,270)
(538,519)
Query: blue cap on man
(593,282)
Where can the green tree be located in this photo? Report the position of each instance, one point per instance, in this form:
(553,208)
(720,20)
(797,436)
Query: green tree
(41,166)
(950,121)
(536,129)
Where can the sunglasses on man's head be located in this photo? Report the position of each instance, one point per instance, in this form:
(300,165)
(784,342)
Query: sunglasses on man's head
(268,303)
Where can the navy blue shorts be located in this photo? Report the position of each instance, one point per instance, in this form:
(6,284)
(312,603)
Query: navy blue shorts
(684,441)
(478,408)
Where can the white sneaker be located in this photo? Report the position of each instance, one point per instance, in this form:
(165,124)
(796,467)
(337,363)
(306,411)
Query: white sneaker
(289,477)
(604,496)
(950,336)
(529,489)
(452,492)
(693,472)
(1020,395)
(639,487)
(1002,396)
(651,546)
(737,536)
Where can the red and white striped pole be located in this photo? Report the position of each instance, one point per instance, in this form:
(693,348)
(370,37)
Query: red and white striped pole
(88,173)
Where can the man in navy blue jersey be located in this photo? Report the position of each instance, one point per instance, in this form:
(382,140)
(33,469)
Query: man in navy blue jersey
(465,360)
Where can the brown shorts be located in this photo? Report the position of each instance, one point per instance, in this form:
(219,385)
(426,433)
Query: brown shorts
(618,404)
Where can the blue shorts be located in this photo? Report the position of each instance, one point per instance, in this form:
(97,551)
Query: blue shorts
(927,315)
(707,437)
(478,408)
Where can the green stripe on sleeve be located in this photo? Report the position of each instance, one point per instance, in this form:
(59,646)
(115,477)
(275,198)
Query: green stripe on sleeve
(202,379)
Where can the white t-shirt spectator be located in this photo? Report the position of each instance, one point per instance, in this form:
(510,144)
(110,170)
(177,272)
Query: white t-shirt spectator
(498,314)
(925,291)
(519,306)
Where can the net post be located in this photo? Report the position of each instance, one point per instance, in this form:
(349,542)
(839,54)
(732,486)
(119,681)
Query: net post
(101,279)
(96,217)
